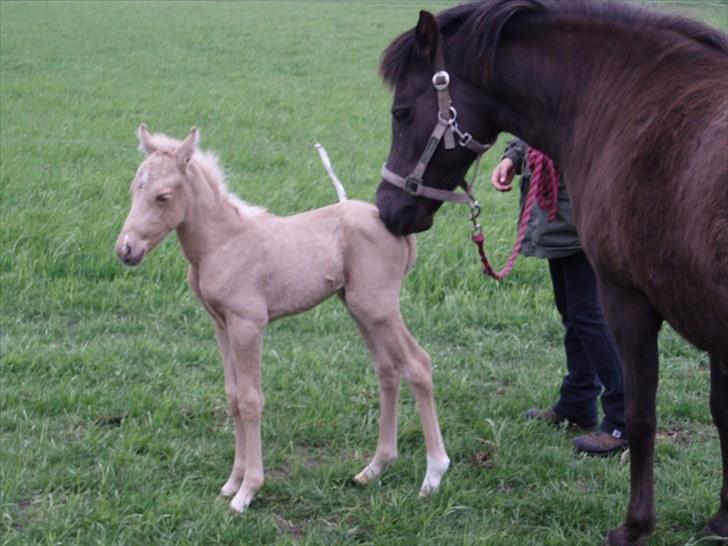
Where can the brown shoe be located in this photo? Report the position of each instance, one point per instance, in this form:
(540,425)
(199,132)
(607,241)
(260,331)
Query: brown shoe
(601,443)
(551,417)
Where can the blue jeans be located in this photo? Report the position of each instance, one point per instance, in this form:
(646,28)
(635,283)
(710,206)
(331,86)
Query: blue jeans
(592,358)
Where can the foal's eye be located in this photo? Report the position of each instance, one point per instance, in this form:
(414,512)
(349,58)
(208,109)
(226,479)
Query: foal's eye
(401,113)
(163,197)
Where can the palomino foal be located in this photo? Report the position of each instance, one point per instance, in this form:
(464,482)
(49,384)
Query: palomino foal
(248,267)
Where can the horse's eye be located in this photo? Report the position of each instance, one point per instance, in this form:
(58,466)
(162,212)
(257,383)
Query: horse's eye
(163,197)
(401,113)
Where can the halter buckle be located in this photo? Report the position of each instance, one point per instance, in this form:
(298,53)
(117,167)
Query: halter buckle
(465,139)
(412,185)
(441,80)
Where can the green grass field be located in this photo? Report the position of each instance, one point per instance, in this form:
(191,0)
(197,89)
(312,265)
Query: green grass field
(113,418)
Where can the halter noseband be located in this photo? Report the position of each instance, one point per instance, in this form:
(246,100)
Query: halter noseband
(446,129)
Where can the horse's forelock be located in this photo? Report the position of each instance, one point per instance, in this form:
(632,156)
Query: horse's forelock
(402,52)
(396,58)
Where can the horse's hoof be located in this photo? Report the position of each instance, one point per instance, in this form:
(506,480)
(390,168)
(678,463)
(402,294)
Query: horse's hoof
(716,529)
(620,537)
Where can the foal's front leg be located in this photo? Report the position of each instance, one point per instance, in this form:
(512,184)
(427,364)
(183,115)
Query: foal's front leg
(246,338)
(389,379)
(237,474)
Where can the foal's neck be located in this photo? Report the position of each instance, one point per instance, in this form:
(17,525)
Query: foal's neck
(211,218)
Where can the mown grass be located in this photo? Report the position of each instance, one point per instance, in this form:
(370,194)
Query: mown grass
(113,422)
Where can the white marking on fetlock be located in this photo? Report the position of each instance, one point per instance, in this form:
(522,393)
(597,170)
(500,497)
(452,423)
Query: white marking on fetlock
(370,472)
(242,500)
(433,476)
(231,486)
(374,469)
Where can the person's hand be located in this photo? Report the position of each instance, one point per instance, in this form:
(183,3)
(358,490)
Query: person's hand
(503,174)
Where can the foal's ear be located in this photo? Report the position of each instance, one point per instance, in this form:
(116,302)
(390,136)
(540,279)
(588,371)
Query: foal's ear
(183,154)
(427,35)
(145,140)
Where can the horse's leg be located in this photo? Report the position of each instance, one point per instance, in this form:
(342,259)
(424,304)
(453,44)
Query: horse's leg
(246,338)
(389,378)
(635,325)
(417,370)
(395,351)
(718,524)
(238,472)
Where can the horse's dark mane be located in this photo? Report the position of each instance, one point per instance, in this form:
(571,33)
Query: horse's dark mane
(479,26)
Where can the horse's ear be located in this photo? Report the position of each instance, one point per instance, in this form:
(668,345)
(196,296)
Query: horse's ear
(145,140)
(183,154)
(427,35)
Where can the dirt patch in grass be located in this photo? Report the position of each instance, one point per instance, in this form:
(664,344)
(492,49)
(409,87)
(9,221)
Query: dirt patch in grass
(288,527)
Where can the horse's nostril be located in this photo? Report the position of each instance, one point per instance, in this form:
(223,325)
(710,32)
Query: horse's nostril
(126,251)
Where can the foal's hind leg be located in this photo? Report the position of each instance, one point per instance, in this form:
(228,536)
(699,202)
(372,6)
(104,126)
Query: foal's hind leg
(232,484)
(718,525)
(396,352)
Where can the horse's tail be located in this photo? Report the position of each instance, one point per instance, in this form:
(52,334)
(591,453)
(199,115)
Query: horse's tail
(338,186)
(411,243)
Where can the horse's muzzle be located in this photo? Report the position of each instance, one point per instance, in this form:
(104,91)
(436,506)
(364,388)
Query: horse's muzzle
(402,213)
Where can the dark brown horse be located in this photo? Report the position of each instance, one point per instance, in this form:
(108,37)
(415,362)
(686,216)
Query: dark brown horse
(633,107)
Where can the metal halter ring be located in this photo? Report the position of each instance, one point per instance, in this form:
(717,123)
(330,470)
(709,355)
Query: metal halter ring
(441,80)
(451,120)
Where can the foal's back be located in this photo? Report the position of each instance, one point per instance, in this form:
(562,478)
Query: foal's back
(289,264)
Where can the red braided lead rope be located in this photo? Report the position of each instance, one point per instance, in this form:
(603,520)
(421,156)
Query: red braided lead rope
(545,175)
(544,188)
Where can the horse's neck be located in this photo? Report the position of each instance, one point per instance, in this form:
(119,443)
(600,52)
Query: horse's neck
(210,221)
(556,78)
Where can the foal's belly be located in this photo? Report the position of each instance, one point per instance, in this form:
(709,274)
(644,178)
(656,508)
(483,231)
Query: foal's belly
(295,295)
(311,274)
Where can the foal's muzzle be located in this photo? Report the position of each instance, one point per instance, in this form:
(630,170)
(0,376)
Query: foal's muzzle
(129,253)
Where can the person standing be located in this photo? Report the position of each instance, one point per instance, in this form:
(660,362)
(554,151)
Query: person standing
(594,368)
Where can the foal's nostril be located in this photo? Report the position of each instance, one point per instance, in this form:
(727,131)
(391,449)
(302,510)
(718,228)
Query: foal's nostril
(126,251)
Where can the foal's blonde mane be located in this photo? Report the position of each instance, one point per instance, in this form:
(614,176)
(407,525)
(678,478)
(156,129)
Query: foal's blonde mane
(208,164)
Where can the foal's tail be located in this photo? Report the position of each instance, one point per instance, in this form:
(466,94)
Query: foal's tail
(340,192)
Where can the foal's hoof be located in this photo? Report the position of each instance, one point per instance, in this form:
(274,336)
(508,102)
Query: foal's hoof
(241,501)
(367,475)
(433,477)
(230,488)
(428,489)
